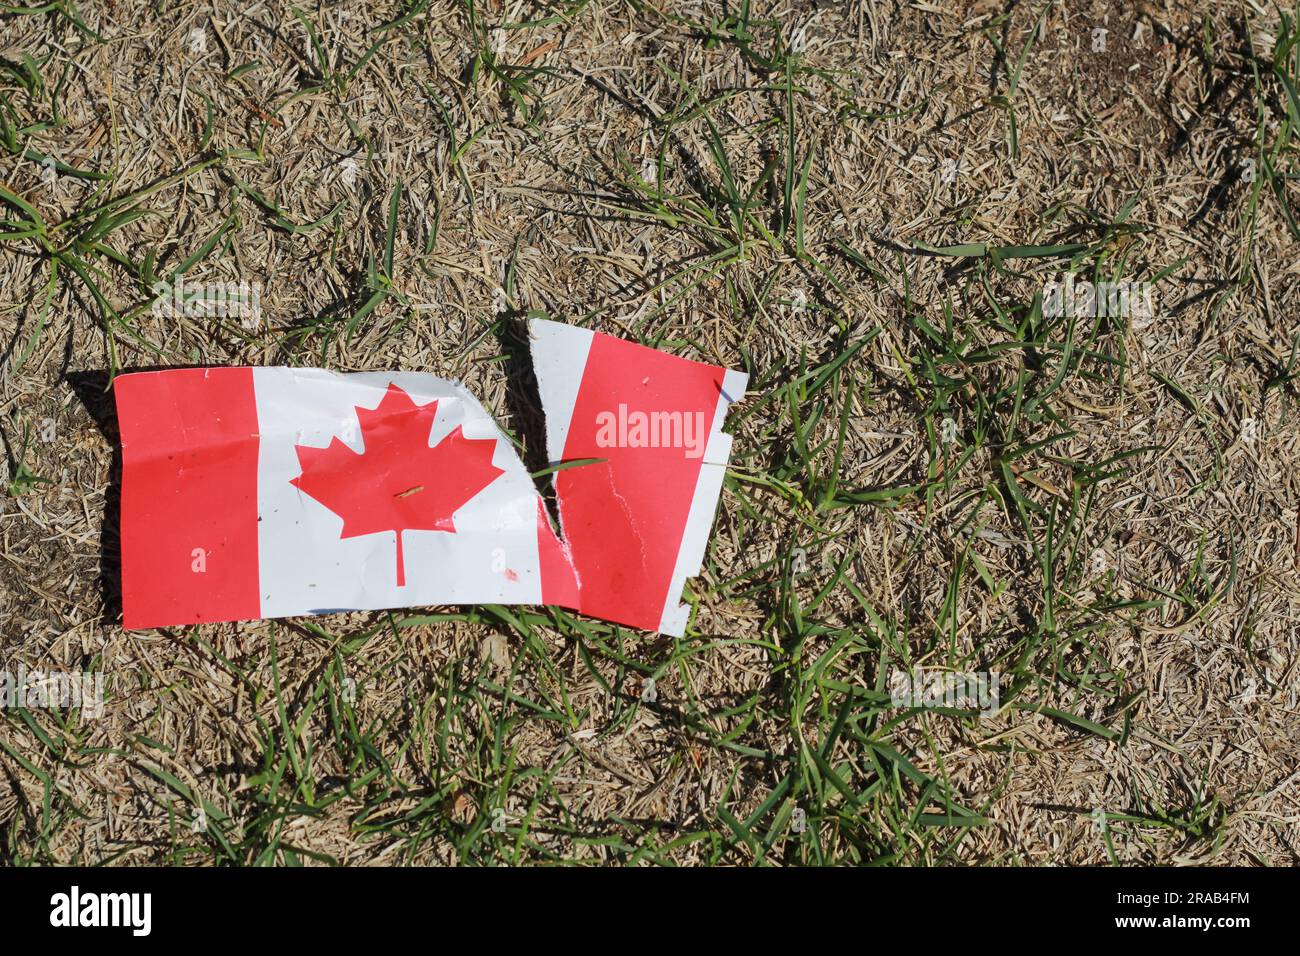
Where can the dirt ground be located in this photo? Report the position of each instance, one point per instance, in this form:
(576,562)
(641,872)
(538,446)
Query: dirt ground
(863,205)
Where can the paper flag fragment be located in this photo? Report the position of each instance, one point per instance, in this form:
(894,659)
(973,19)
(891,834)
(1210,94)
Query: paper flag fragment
(269,492)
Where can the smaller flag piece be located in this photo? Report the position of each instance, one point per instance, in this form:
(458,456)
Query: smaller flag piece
(268,492)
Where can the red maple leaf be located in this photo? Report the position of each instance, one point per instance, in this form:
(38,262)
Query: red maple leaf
(398,482)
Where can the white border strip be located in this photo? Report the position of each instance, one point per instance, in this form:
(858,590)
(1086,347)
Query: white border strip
(704,505)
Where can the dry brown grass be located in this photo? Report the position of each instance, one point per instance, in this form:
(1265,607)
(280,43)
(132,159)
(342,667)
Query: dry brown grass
(528,212)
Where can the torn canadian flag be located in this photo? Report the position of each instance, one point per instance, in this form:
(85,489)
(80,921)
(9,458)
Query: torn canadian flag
(268,492)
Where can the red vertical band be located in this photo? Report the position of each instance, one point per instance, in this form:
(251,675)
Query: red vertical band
(559,584)
(623,519)
(189,496)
